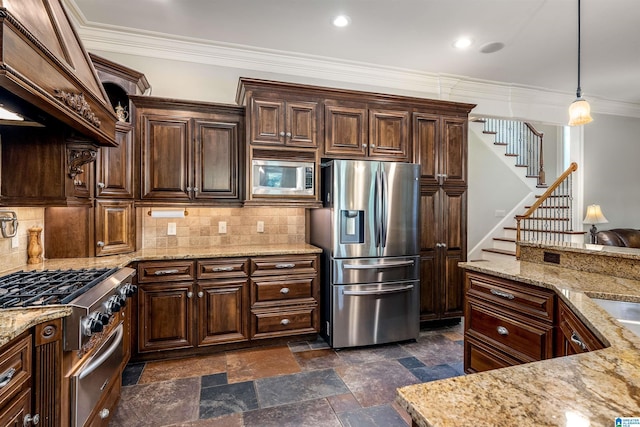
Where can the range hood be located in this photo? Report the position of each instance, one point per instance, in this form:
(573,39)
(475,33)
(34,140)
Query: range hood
(46,74)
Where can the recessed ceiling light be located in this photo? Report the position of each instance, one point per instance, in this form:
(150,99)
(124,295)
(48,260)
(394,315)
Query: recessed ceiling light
(462,43)
(341,21)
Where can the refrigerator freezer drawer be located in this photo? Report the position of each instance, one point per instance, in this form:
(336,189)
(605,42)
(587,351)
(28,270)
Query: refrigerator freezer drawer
(375,270)
(374,314)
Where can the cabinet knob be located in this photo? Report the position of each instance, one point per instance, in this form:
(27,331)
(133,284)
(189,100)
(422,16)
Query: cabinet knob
(364,145)
(189,188)
(189,294)
(284,290)
(373,145)
(104,413)
(101,185)
(195,189)
(285,322)
(200,294)
(288,134)
(100,244)
(28,419)
(502,330)
(281,133)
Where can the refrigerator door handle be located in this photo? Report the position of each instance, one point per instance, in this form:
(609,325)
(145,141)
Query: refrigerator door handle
(388,264)
(378,203)
(385,201)
(380,291)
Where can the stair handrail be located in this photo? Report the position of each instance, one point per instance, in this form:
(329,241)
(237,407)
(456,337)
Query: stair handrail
(572,168)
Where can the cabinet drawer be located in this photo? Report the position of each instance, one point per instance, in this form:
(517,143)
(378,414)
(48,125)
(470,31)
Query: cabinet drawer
(520,337)
(290,264)
(479,357)
(270,323)
(15,368)
(163,271)
(281,290)
(223,268)
(521,298)
(578,336)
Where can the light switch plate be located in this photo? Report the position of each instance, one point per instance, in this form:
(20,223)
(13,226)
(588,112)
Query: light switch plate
(171,229)
(15,243)
(222,227)
(260,227)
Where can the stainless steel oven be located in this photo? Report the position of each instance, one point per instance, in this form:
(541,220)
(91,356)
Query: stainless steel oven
(95,378)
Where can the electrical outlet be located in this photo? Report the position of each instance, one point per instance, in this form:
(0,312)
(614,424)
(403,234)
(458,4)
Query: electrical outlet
(222,227)
(260,226)
(171,229)
(15,243)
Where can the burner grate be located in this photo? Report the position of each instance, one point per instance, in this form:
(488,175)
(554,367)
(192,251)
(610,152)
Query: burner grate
(45,287)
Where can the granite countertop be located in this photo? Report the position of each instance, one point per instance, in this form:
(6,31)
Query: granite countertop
(14,321)
(589,389)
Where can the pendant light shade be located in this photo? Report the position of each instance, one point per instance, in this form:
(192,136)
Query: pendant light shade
(579,110)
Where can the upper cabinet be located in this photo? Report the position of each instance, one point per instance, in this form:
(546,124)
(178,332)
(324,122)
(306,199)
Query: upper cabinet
(275,121)
(190,151)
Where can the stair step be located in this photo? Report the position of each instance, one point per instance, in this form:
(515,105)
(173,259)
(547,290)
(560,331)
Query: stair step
(522,166)
(547,231)
(543,218)
(549,207)
(533,176)
(489,132)
(477,120)
(511,155)
(542,186)
(500,143)
(505,239)
(554,196)
(500,251)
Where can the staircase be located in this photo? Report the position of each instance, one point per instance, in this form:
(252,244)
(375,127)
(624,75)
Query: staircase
(547,217)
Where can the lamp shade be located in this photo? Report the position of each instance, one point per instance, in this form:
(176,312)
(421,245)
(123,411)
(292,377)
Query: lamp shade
(594,215)
(579,112)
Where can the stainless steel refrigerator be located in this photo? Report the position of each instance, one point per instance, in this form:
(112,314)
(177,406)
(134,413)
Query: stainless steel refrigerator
(368,230)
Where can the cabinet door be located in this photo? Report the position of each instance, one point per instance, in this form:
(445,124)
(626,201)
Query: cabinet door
(429,239)
(165,157)
(165,313)
(454,151)
(223,311)
(115,227)
(426,138)
(453,208)
(216,160)
(301,124)
(267,122)
(345,131)
(115,166)
(13,415)
(574,337)
(389,134)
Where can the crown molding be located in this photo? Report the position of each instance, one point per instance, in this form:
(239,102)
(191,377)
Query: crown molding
(493,98)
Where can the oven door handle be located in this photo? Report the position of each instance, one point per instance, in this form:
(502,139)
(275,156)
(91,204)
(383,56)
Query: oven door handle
(379,291)
(93,364)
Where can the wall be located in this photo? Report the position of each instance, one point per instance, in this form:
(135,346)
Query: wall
(11,258)
(611,169)
(200,227)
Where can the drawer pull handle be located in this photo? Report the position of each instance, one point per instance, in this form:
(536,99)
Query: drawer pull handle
(575,338)
(28,419)
(502,294)
(218,269)
(284,290)
(285,265)
(502,330)
(163,272)
(6,376)
(285,322)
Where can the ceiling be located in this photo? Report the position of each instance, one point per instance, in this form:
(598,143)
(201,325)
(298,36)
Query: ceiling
(540,36)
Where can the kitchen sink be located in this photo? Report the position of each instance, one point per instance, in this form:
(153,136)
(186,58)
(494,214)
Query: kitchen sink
(627,313)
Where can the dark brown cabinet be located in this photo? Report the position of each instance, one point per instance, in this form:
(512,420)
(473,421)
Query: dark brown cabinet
(115,168)
(190,151)
(572,336)
(283,122)
(115,227)
(441,150)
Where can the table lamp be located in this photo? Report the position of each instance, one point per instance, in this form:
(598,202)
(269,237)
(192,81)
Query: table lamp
(594,216)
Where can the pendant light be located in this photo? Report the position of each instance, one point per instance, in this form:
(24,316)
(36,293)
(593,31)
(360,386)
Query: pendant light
(579,110)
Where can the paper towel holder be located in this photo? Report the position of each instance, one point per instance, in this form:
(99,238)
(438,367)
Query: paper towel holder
(186,212)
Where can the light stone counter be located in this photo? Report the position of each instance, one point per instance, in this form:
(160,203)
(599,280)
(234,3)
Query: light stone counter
(15,321)
(589,389)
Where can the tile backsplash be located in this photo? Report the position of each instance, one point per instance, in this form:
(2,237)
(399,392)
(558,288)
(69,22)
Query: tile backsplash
(200,227)
(11,258)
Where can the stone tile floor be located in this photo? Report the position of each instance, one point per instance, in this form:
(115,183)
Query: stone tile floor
(299,384)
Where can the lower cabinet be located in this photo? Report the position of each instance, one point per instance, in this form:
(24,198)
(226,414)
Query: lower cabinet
(509,323)
(197,303)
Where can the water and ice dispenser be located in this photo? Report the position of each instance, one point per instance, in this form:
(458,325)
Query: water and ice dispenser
(351,226)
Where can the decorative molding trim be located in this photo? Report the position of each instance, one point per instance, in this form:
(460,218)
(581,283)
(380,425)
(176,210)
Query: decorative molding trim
(504,99)
(77,103)
(78,155)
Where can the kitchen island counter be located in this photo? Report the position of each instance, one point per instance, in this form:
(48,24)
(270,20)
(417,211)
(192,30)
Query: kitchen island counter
(581,390)
(14,321)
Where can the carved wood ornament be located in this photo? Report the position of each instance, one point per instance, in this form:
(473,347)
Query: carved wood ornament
(78,104)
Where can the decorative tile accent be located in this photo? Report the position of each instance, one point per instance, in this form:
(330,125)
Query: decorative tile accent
(286,389)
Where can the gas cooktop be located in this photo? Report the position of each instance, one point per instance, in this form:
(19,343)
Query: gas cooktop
(45,287)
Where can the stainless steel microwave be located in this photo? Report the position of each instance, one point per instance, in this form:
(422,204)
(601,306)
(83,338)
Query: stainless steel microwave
(283,177)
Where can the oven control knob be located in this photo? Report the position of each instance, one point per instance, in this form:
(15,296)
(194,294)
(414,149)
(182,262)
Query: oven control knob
(92,324)
(128,290)
(113,304)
